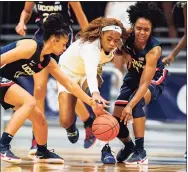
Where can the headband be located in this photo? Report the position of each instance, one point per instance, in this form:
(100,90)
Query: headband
(112,27)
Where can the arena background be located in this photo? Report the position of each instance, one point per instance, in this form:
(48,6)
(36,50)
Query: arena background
(167,115)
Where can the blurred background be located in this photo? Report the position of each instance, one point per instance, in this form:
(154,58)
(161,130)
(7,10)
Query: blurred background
(168,113)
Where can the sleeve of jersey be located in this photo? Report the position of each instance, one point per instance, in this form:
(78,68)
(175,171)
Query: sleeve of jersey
(90,54)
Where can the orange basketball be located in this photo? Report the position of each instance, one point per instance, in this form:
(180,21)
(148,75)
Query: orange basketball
(105,127)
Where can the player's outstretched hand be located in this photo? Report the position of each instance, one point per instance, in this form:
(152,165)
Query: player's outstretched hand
(21,29)
(168,60)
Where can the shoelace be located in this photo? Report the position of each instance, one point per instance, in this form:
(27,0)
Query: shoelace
(88,133)
(52,150)
(72,134)
(108,149)
(8,147)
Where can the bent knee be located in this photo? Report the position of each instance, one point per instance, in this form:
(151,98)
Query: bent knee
(40,92)
(66,122)
(31,103)
(38,116)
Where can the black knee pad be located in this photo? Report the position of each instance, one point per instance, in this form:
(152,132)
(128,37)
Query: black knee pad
(138,111)
(123,131)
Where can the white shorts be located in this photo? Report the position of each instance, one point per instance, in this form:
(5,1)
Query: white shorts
(79,79)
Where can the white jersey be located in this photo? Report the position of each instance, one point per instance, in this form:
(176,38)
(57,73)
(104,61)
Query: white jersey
(85,59)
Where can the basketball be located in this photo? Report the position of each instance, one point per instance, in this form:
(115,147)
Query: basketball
(105,127)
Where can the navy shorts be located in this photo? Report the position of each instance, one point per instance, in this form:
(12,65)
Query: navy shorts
(5,84)
(156,88)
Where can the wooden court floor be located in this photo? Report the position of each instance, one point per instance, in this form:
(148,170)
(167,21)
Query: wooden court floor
(82,162)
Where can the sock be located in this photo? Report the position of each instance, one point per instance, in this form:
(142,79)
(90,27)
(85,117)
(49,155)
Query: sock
(33,136)
(6,138)
(72,128)
(88,122)
(139,143)
(129,144)
(42,148)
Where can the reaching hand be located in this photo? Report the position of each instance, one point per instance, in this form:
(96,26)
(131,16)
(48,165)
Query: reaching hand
(126,115)
(21,29)
(168,60)
(98,109)
(97,97)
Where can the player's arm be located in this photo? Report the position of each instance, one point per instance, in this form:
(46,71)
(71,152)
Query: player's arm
(79,13)
(24,50)
(181,45)
(147,75)
(183,42)
(90,55)
(24,18)
(74,88)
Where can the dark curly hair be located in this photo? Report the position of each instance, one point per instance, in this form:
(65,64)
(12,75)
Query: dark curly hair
(93,30)
(147,10)
(55,25)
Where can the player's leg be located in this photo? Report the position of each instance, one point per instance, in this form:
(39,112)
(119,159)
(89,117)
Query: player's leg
(40,87)
(139,156)
(87,116)
(86,113)
(18,97)
(26,108)
(67,117)
(152,94)
(123,134)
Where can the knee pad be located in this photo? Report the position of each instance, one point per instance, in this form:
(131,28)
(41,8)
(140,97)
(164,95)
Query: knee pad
(123,131)
(138,112)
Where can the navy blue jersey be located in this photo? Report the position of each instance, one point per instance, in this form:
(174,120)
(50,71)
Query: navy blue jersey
(45,8)
(23,67)
(139,60)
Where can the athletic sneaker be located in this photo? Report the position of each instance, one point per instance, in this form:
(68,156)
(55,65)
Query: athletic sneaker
(7,155)
(90,139)
(107,157)
(124,153)
(48,157)
(73,136)
(138,157)
(33,148)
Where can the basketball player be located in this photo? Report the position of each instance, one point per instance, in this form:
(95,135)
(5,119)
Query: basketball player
(82,62)
(24,58)
(183,42)
(44,9)
(144,81)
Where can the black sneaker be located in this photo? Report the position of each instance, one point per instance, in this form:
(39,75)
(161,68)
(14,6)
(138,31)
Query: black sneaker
(107,157)
(73,136)
(90,139)
(124,153)
(138,157)
(33,148)
(48,157)
(7,155)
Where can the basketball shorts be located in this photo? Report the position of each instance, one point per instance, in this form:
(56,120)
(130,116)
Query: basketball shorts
(79,79)
(5,84)
(156,88)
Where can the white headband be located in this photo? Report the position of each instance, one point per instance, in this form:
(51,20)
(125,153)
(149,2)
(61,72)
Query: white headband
(112,27)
